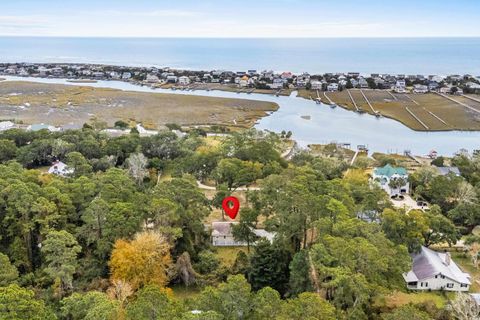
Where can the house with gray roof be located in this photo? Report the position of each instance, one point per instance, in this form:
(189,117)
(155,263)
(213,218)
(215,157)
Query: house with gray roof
(394,180)
(222,234)
(444,171)
(432,270)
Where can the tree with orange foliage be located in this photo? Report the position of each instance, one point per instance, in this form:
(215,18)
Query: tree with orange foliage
(144,260)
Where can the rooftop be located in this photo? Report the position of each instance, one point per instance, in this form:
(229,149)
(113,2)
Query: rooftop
(389,171)
(428,263)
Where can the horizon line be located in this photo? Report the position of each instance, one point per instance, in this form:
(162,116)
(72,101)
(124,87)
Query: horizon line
(235,37)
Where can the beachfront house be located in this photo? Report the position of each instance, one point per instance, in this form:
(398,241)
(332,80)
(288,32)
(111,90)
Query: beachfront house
(332,87)
(60,169)
(393,180)
(222,235)
(316,85)
(433,270)
(420,88)
(363,83)
(400,86)
(277,84)
(243,81)
(184,81)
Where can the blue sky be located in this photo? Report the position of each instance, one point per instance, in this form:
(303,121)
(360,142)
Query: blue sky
(247,18)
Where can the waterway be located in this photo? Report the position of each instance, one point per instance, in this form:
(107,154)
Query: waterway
(325,124)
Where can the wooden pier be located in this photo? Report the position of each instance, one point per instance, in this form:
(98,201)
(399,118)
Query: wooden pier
(332,104)
(416,118)
(408,96)
(353,101)
(458,102)
(471,98)
(393,96)
(369,104)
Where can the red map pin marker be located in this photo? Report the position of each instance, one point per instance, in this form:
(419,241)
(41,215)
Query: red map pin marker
(231,211)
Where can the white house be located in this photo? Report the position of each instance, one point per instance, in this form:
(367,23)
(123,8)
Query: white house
(433,270)
(332,87)
(244,81)
(277,84)
(184,81)
(60,169)
(386,175)
(222,235)
(5,125)
(126,75)
(420,88)
(400,86)
(152,78)
(316,85)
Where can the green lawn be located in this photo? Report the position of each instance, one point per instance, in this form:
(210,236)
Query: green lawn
(397,299)
(227,255)
(182,292)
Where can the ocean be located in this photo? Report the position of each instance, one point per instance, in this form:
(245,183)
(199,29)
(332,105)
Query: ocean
(319,55)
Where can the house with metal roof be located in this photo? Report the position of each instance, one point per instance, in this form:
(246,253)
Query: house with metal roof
(222,234)
(432,270)
(394,180)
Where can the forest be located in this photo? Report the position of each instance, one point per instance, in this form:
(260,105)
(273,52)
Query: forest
(126,232)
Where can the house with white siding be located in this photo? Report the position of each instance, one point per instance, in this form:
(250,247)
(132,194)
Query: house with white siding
(387,176)
(432,270)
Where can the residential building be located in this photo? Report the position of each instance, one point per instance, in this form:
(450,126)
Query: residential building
(332,87)
(277,84)
(172,79)
(152,78)
(393,180)
(222,235)
(433,270)
(60,169)
(316,85)
(5,125)
(363,83)
(443,171)
(243,81)
(184,81)
(400,86)
(420,88)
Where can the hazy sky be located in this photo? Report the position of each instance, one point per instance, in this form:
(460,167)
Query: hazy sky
(247,18)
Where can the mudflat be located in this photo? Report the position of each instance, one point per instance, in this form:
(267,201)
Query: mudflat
(57,104)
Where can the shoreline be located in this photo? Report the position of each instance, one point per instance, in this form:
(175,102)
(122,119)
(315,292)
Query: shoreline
(387,135)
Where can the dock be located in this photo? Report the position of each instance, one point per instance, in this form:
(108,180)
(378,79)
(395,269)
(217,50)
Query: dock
(369,104)
(471,98)
(437,117)
(408,96)
(332,104)
(353,101)
(458,102)
(416,118)
(394,98)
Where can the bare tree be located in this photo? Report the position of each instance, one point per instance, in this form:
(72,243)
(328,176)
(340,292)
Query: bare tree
(465,193)
(474,250)
(137,164)
(464,307)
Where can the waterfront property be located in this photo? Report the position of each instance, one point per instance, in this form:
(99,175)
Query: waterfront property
(433,270)
(393,180)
